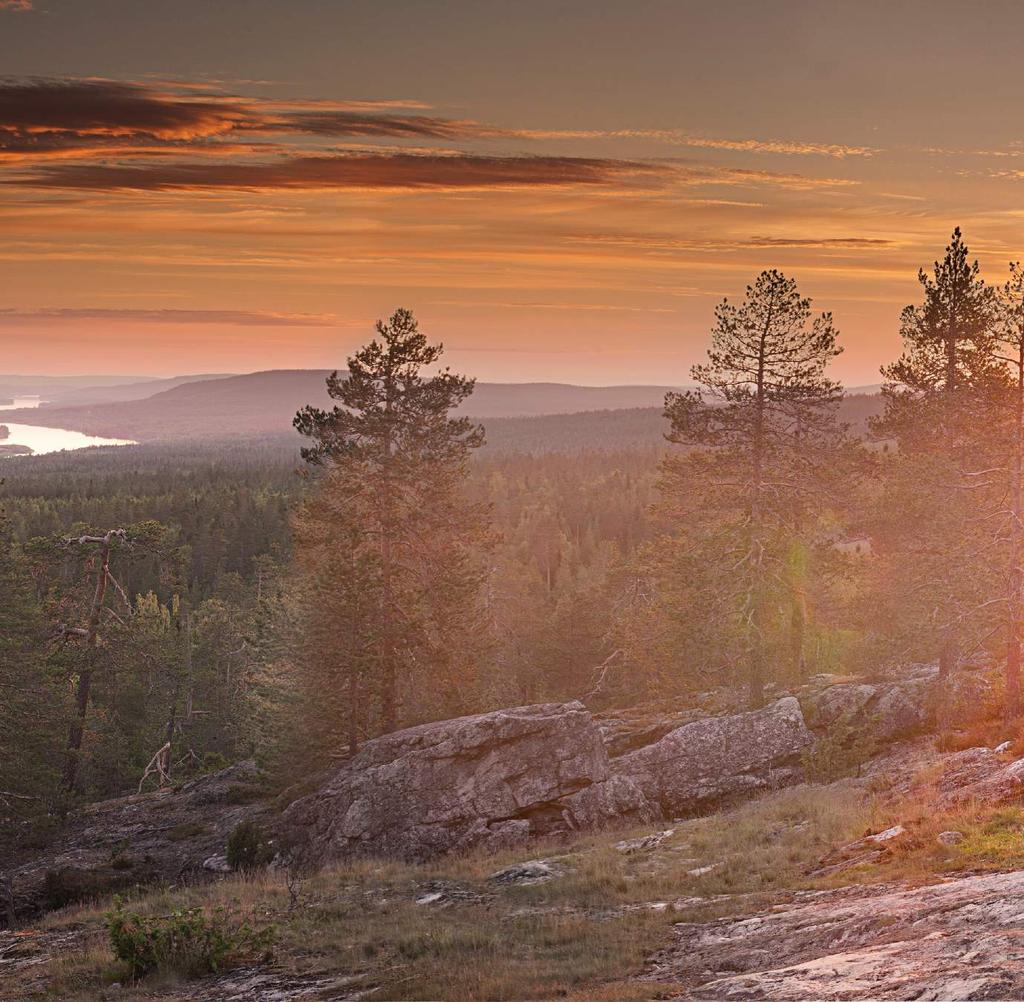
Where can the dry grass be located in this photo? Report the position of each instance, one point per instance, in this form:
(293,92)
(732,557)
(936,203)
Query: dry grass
(581,936)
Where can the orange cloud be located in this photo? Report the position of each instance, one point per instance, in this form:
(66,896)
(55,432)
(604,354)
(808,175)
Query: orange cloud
(236,318)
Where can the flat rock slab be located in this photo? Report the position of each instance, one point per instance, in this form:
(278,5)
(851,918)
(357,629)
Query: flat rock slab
(963,939)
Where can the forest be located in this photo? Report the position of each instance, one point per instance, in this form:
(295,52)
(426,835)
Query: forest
(226,600)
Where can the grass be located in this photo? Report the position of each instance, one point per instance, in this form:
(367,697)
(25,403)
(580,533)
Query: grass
(582,936)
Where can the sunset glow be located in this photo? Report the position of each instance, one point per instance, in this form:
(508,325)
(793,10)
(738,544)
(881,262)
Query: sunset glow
(561,195)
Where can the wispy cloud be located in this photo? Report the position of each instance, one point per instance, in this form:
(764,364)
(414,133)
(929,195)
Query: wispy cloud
(237,318)
(585,307)
(17,5)
(691,174)
(653,242)
(837,151)
(677,137)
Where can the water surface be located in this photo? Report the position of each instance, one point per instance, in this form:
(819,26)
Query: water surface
(43,440)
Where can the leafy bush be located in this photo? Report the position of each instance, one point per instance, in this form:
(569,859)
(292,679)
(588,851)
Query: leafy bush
(188,942)
(248,847)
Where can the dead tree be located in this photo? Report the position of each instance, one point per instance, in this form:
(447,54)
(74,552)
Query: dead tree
(88,637)
(160,764)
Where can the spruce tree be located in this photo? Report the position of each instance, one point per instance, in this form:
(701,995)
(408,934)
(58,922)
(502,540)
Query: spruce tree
(397,458)
(759,426)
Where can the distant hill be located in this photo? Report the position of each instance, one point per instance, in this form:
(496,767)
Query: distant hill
(66,390)
(264,403)
(134,390)
(629,428)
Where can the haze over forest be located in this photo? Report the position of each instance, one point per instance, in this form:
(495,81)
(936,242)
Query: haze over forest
(511,502)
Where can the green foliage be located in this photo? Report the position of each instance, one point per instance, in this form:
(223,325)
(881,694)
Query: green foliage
(248,847)
(389,544)
(189,942)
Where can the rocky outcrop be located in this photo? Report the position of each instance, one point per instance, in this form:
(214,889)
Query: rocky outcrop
(491,779)
(958,940)
(718,757)
(163,836)
(905,702)
(979,776)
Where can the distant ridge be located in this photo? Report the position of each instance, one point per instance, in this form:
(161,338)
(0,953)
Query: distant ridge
(65,390)
(264,403)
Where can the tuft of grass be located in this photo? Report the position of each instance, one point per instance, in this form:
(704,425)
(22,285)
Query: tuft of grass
(187,830)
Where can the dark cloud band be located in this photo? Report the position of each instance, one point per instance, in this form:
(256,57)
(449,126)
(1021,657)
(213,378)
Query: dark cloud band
(364,171)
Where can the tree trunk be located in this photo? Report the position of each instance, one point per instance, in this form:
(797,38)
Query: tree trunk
(949,653)
(797,631)
(1011,706)
(76,732)
(757,617)
(353,710)
(389,701)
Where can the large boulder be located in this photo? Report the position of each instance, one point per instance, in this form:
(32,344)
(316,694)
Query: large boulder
(489,779)
(718,757)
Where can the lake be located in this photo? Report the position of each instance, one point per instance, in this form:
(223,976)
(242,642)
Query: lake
(43,440)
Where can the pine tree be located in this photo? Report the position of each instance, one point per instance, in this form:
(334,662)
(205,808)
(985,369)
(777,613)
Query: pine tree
(940,396)
(1011,335)
(31,698)
(761,419)
(397,461)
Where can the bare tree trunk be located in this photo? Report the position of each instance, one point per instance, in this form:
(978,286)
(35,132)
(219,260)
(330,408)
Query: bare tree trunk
(797,631)
(389,701)
(1011,706)
(757,614)
(353,711)
(949,653)
(83,687)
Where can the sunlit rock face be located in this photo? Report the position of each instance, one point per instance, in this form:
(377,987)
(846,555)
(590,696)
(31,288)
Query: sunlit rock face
(490,779)
(956,940)
(719,757)
(904,702)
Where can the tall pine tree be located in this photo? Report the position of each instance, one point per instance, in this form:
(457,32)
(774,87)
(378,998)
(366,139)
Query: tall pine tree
(759,424)
(942,398)
(392,510)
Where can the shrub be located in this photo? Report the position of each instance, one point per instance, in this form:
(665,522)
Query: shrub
(188,942)
(248,847)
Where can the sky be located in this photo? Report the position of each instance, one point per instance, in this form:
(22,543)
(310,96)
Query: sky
(559,190)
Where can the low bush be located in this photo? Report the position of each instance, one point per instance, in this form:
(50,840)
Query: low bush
(189,942)
(248,847)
